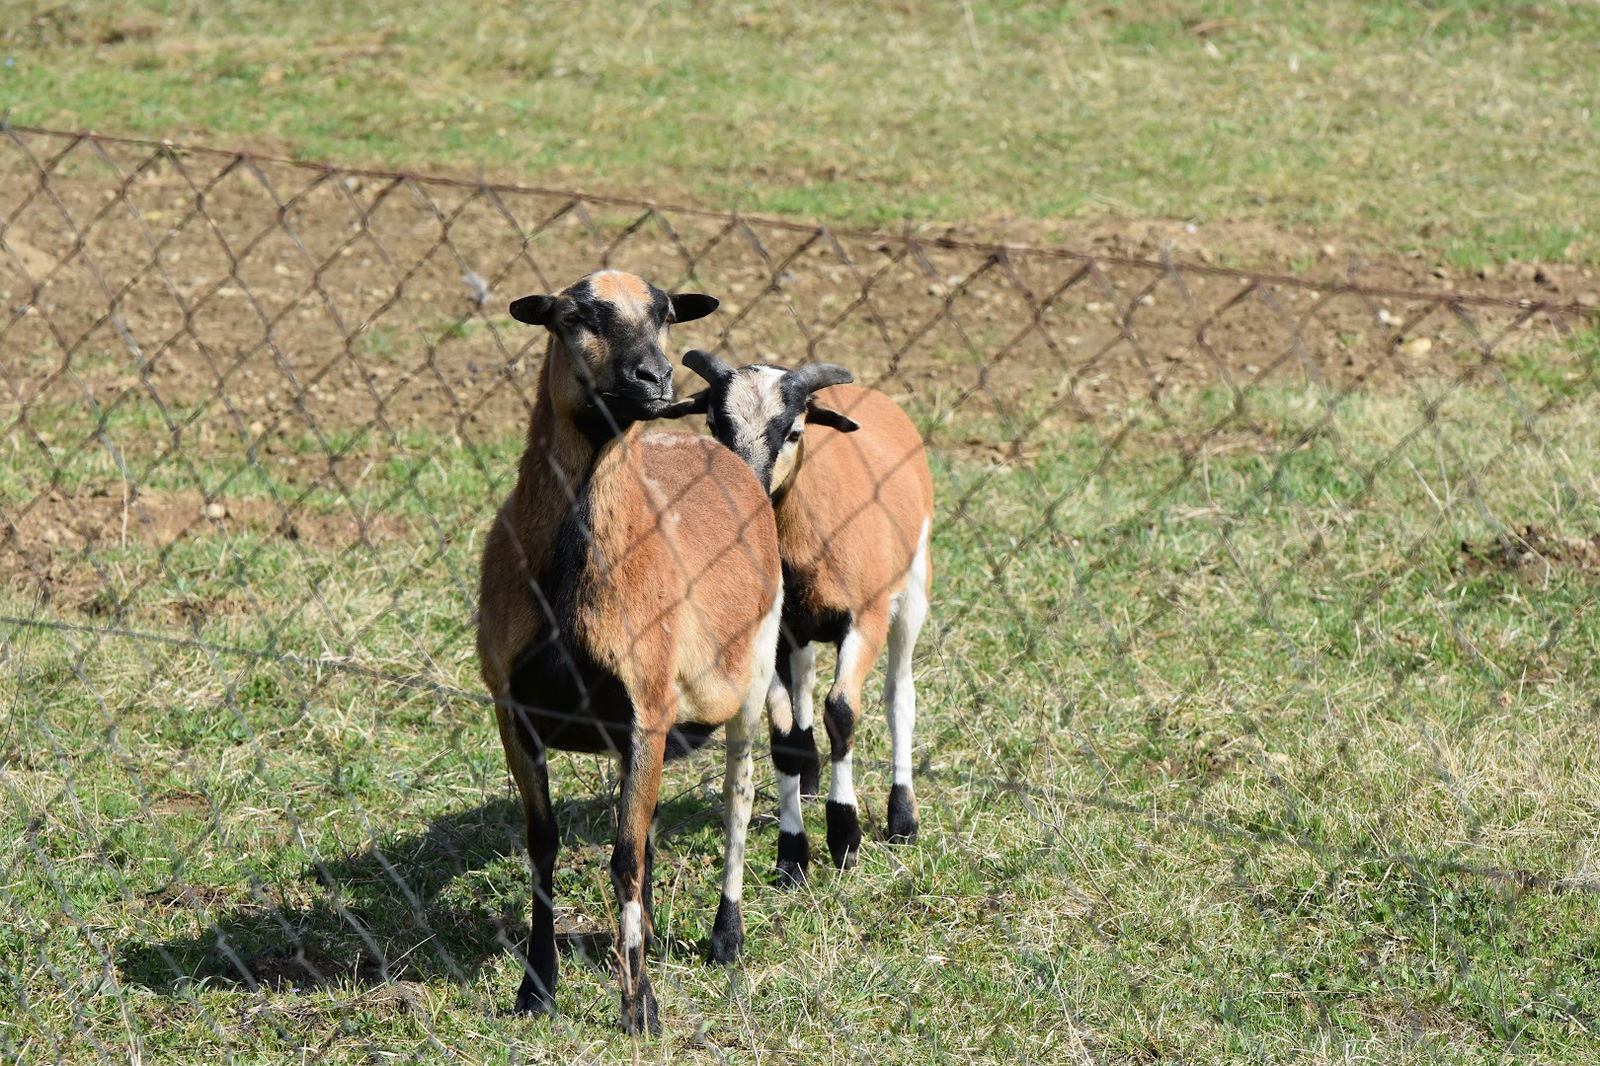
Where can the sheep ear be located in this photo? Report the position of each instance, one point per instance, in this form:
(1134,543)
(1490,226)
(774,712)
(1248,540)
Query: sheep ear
(534,310)
(694,405)
(827,416)
(688,306)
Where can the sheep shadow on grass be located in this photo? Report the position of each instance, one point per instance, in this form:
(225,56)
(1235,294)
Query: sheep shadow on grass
(415,907)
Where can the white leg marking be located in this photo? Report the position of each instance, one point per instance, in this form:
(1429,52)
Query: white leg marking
(790,820)
(738,793)
(842,786)
(632,925)
(899,693)
(738,780)
(802,681)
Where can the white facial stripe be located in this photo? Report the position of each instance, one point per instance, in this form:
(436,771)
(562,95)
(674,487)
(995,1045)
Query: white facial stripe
(752,403)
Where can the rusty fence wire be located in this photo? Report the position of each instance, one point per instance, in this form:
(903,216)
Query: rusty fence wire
(1289,581)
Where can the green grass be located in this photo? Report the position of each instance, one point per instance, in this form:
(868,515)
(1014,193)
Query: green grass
(1224,742)
(1461,129)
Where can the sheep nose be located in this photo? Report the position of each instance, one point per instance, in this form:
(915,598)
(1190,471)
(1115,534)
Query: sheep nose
(654,371)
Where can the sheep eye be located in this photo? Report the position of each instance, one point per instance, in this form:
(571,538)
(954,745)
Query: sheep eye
(794,435)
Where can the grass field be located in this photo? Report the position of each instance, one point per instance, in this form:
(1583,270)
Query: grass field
(1259,704)
(1465,130)
(1271,753)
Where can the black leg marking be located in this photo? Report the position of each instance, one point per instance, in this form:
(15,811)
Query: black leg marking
(727,933)
(536,993)
(902,815)
(844,834)
(811,769)
(840,718)
(844,825)
(795,753)
(794,859)
(646,886)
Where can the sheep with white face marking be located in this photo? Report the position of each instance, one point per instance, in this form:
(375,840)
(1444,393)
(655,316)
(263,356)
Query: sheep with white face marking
(853,496)
(629,602)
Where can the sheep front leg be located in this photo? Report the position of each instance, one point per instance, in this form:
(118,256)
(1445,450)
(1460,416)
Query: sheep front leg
(536,994)
(641,787)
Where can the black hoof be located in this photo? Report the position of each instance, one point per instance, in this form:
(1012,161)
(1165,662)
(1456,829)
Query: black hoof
(844,834)
(532,998)
(727,933)
(902,816)
(640,1017)
(790,875)
(794,860)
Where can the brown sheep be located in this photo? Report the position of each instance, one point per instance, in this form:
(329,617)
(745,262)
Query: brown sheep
(850,484)
(629,602)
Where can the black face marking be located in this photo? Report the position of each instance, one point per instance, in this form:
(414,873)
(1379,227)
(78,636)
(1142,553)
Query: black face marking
(732,430)
(611,325)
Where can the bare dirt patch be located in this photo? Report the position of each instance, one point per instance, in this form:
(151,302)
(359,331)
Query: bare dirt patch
(65,522)
(1532,554)
(269,302)
(48,542)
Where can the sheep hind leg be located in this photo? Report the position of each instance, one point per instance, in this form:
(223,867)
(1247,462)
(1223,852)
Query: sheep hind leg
(857,652)
(900,701)
(794,850)
(738,796)
(797,666)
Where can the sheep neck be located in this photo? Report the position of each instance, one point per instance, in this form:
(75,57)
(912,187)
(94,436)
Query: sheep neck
(555,468)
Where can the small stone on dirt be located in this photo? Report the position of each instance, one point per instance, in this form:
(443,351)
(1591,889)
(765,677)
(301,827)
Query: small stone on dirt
(216,511)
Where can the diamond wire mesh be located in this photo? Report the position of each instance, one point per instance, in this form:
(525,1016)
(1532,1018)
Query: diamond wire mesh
(258,413)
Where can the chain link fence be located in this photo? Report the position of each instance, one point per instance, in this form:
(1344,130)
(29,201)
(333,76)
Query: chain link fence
(1258,701)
